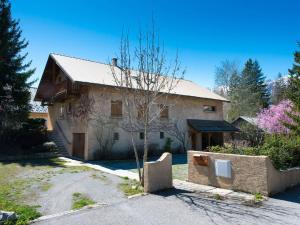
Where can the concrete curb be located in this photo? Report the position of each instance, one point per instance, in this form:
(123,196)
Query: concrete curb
(47,217)
(213,191)
(119,172)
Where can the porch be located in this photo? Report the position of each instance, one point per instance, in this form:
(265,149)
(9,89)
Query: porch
(206,133)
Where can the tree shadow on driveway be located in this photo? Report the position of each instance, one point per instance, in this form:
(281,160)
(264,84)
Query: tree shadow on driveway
(291,195)
(233,211)
(51,161)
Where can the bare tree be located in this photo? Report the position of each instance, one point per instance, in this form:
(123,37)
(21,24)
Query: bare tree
(145,85)
(177,131)
(223,76)
(103,131)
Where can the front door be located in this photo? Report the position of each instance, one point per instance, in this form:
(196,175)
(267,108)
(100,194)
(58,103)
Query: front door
(78,145)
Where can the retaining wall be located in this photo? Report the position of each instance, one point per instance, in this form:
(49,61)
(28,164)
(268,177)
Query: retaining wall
(248,173)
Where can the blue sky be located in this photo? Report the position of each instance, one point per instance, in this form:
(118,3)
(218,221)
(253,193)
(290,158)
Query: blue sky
(204,32)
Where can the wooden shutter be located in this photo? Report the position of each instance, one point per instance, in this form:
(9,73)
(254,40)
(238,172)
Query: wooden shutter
(116,108)
(164,112)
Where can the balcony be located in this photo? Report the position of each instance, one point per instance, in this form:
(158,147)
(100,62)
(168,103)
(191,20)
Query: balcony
(64,90)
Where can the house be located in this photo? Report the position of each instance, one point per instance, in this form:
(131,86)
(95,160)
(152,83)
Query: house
(244,120)
(250,134)
(70,87)
(38,111)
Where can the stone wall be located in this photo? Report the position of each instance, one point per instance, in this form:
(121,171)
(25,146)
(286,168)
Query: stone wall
(248,173)
(158,174)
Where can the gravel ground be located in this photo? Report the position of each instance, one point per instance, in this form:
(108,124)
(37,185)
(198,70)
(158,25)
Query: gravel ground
(100,187)
(50,184)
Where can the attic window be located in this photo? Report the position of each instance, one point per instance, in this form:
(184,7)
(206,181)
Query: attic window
(209,108)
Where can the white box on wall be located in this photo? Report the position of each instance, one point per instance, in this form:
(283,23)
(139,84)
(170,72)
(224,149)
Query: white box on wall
(223,168)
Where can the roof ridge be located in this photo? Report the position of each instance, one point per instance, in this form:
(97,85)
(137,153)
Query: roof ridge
(83,59)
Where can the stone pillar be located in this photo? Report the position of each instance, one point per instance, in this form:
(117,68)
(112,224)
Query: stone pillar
(158,174)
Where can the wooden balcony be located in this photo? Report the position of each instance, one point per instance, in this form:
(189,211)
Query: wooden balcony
(65,89)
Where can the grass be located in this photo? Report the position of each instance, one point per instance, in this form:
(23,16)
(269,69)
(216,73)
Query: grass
(130,187)
(258,197)
(80,200)
(45,186)
(12,194)
(75,169)
(99,176)
(218,197)
(19,180)
(180,171)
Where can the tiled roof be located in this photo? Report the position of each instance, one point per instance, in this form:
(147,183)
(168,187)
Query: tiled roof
(86,71)
(36,106)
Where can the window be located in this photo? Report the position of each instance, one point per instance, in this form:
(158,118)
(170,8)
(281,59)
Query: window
(164,112)
(69,109)
(142,135)
(140,112)
(116,108)
(62,112)
(161,135)
(116,136)
(209,108)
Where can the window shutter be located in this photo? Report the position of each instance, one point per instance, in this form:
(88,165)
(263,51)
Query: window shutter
(116,108)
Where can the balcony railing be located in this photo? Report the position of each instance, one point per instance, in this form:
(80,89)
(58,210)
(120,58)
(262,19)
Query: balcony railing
(65,89)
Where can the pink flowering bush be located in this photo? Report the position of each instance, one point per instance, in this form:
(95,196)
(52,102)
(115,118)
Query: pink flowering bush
(271,119)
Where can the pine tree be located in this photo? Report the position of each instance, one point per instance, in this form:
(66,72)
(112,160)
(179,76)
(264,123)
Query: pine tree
(254,93)
(293,94)
(14,72)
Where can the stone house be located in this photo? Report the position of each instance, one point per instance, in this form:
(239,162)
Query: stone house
(74,88)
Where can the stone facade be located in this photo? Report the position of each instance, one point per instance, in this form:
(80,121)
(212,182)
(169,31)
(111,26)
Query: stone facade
(248,173)
(181,108)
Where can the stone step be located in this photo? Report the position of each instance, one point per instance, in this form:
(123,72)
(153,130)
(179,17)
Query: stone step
(53,136)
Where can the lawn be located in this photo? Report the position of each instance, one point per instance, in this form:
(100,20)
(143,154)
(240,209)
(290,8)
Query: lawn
(179,171)
(179,165)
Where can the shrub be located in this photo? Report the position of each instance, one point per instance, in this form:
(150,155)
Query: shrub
(32,133)
(283,151)
(230,149)
(168,145)
(253,135)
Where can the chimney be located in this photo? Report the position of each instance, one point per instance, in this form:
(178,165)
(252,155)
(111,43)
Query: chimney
(114,61)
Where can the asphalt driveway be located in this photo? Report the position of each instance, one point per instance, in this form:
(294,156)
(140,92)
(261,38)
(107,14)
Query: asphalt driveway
(179,207)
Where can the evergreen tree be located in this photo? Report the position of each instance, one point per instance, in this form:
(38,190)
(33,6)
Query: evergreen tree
(14,72)
(254,93)
(293,94)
